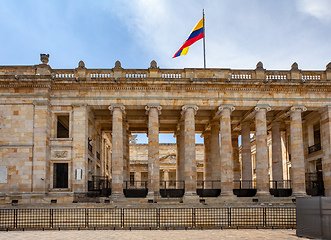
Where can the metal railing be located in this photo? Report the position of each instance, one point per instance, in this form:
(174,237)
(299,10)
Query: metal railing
(209,184)
(280,184)
(172,184)
(147,218)
(244,184)
(314,148)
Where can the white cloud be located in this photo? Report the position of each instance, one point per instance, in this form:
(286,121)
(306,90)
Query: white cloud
(320,9)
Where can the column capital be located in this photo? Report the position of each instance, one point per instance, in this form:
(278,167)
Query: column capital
(327,108)
(186,107)
(235,134)
(148,107)
(223,107)
(301,108)
(79,104)
(258,107)
(121,107)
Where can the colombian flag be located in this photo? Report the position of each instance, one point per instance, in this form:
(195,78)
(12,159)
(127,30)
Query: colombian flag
(196,34)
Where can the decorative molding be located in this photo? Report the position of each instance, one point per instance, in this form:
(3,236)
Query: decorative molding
(116,106)
(150,106)
(60,154)
(186,107)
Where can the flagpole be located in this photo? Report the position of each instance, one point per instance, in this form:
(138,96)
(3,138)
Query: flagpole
(204,39)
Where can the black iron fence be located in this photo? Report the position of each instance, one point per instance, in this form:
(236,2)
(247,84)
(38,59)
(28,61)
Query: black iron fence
(314,148)
(148,218)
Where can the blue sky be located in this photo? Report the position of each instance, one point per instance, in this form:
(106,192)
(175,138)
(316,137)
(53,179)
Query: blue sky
(239,33)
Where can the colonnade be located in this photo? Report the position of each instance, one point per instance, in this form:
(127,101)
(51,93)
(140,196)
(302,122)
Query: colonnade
(221,157)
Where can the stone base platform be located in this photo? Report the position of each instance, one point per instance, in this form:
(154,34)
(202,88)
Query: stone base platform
(67,200)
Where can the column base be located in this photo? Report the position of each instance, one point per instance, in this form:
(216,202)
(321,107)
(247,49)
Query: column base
(153,196)
(191,197)
(262,193)
(117,197)
(227,194)
(300,194)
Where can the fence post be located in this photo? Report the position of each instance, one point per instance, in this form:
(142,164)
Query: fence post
(265,217)
(158,218)
(122,217)
(15,218)
(51,218)
(229,217)
(193,218)
(86,217)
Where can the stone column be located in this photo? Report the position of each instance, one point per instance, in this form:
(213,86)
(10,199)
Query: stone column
(297,152)
(117,150)
(189,112)
(215,153)
(180,171)
(207,166)
(153,112)
(226,150)
(41,150)
(128,151)
(277,162)
(126,176)
(326,147)
(235,153)
(246,155)
(262,171)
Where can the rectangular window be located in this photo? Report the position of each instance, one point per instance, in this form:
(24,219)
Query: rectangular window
(60,175)
(62,126)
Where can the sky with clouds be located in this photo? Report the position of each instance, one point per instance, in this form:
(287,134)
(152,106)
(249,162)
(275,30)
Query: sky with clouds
(239,33)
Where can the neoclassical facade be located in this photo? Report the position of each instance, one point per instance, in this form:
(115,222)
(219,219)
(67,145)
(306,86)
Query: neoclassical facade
(61,127)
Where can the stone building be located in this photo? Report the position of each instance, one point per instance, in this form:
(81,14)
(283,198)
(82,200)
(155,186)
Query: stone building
(60,128)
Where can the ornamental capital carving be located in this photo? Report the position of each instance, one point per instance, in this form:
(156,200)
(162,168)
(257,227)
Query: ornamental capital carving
(225,106)
(186,107)
(150,106)
(262,106)
(298,108)
(112,108)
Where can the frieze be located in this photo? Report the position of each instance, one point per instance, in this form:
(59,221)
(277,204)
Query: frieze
(60,154)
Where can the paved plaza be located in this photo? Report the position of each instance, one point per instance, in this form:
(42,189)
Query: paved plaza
(154,234)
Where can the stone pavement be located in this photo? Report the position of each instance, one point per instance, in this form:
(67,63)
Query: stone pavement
(154,234)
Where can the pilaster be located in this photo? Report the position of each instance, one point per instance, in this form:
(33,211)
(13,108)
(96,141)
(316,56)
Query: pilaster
(41,149)
(277,161)
(80,138)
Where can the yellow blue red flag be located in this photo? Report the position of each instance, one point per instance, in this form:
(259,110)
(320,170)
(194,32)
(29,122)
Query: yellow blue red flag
(196,34)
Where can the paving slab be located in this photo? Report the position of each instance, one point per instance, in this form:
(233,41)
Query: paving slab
(153,234)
